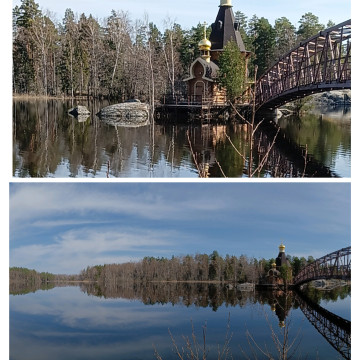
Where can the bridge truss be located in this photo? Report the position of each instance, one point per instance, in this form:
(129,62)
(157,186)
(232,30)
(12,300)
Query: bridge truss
(336,265)
(321,63)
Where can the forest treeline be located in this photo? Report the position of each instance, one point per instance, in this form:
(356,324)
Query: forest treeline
(191,268)
(29,276)
(23,280)
(200,294)
(121,58)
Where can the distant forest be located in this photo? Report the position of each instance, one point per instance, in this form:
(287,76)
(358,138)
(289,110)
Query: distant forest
(121,58)
(191,268)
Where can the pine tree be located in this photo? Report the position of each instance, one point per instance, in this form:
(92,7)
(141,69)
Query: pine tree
(309,26)
(232,74)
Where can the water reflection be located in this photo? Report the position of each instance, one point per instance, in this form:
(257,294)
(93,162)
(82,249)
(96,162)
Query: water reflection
(326,135)
(125,322)
(335,329)
(48,142)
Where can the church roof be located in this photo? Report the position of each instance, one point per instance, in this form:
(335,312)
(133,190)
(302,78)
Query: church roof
(282,260)
(210,69)
(225,29)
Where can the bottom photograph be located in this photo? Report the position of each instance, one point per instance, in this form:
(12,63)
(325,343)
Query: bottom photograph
(180,271)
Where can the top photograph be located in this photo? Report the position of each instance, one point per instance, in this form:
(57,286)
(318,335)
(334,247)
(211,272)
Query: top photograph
(190,89)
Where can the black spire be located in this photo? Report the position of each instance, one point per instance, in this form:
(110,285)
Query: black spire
(225,29)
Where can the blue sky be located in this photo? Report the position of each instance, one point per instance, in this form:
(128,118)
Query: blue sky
(189,13)
(63,227)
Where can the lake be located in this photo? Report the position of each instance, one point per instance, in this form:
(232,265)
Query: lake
(87,322)
(48,142)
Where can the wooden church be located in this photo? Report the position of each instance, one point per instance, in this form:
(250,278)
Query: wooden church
(202,84)
(274,277)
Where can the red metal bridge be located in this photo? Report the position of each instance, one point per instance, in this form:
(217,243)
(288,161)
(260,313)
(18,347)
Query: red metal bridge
(321,63)
(336,265)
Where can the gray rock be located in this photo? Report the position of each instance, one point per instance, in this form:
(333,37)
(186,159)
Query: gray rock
(245,287)
(330,99)
(79,110)
(132,113)
(82,118)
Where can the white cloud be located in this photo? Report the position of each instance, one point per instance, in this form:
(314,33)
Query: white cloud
(67,222)
(71,204)
(76,249)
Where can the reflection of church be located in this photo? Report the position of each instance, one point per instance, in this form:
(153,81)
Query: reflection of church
(202,83)
(281,303)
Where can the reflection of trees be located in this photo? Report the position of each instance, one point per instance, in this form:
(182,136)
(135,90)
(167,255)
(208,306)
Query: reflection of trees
(212,148)
(22,289)
(188,294)
(36,131)
(203,294)
(339,292)
(47,139)
(321,135)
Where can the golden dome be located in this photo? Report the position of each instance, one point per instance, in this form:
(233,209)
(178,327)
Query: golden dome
(205,44)
(273,265)
(282,248)
(225,3)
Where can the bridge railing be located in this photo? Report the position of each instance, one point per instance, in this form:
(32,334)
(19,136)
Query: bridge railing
(336,265)
(324,59)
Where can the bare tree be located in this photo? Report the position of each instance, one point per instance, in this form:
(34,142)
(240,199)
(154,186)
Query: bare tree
(91,36)
(253,127)
(44,34)
(118,30)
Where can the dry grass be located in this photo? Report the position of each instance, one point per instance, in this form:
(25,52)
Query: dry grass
(192,349)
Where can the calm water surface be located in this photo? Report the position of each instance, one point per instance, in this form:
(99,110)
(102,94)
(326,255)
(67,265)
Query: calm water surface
(47,142)
(73,323)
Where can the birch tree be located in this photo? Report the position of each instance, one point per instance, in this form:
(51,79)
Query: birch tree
(118,30)
(91,36)
(44,35)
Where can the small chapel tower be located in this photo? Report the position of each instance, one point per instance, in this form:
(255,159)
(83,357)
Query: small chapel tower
(202,83)
(205,46)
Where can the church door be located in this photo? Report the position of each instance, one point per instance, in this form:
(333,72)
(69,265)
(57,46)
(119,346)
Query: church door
(199,91)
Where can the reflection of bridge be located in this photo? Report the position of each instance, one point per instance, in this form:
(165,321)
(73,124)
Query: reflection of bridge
(321,63)
(336,265)
(336,330)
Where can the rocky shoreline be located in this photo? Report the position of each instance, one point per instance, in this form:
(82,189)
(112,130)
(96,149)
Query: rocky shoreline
(321,102)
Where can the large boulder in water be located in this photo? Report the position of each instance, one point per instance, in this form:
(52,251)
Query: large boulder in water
(131,113)
(79,110)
